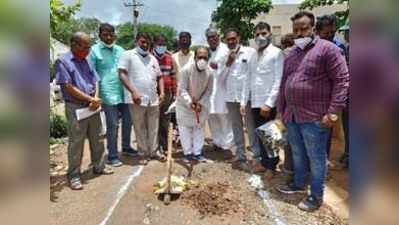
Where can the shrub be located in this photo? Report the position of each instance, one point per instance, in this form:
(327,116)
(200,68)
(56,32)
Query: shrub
(58,126)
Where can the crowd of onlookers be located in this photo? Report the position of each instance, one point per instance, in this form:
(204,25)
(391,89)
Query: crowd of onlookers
(229,86)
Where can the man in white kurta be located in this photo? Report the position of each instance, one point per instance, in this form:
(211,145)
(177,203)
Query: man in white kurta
(192,105)
(139,71)
(219,123)
(265,77)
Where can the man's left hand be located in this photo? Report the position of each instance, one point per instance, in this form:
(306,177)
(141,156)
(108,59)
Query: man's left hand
(329,120)
(265,111)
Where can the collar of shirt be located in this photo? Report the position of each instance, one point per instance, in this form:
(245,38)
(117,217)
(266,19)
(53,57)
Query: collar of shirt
(137,53)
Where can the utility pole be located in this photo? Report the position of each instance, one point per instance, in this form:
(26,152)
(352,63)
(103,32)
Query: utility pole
(135,6)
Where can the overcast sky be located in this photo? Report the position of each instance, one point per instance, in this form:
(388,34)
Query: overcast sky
(189,15)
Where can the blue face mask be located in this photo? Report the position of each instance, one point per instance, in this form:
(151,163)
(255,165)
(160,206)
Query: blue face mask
(160,49)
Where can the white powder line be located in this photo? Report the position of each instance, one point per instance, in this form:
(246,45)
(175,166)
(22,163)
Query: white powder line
(267,201)
(121,193)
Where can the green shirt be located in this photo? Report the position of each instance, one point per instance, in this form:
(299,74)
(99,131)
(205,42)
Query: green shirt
(105,61)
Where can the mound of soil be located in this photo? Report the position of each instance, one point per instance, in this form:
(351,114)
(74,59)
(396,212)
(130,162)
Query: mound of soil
(212,199)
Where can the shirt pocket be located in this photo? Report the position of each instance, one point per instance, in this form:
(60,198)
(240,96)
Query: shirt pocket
(313,65)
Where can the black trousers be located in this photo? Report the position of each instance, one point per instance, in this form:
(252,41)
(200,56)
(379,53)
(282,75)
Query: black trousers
(269,163)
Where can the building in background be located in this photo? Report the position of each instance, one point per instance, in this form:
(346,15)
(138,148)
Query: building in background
(280,22)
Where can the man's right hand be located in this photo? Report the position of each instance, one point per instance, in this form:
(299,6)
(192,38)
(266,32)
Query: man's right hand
(94,103)
(136,97)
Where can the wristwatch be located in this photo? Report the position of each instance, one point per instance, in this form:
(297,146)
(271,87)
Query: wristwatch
(333,117)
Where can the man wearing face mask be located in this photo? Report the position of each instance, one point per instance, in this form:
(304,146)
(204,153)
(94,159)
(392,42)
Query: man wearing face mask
(184,55)
(313,92)
(139,72)
(266,72)
(166,65)
(78,81)
(105,56)
(193,104)
(219,123)
(235,77)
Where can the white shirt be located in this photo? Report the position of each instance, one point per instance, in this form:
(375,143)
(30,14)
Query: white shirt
(236,77)
(142,73)
(266,73)
(181,60)
(217,100)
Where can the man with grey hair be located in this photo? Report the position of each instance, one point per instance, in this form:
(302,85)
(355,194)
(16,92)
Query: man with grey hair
(78,81)
(219,123)
(192,105)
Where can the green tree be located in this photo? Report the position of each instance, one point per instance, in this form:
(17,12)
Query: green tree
(67,28)
(239,14)
(60,13)
(125,33)
(343,16)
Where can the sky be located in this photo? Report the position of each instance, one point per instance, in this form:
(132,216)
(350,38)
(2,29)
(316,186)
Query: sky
(184,15)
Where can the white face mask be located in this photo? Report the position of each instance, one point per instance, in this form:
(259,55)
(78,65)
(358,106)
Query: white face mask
(263,41)
(303,42)
(142,52)
(202,64)
(108,45)
(160,49)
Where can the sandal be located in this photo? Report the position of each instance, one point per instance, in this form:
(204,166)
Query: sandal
(76,185)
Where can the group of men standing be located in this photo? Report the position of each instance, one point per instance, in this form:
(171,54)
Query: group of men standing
(229,85)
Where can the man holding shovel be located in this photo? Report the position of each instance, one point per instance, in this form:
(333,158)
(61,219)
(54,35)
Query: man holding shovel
(192,105)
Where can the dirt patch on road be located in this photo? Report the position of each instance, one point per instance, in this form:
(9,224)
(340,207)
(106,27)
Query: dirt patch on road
(213,199)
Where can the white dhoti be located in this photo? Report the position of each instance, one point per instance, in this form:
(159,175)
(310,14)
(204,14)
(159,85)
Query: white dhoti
(221,130)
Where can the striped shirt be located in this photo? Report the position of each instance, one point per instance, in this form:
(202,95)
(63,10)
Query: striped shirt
(315,82)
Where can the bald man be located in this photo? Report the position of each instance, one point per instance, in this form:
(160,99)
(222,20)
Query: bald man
(78,81)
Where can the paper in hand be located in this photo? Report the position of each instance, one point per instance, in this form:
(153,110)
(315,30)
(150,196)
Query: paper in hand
(84,113)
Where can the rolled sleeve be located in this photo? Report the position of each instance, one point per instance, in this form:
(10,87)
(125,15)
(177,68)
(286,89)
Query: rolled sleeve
(124,61)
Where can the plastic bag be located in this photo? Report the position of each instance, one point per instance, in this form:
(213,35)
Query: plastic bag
(273,136)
